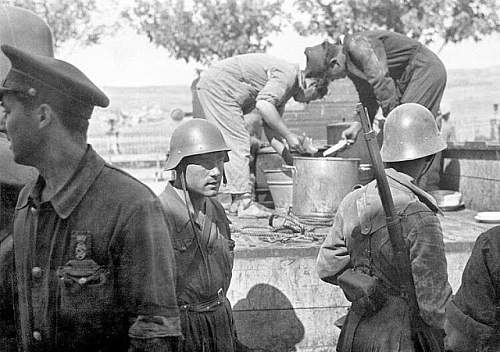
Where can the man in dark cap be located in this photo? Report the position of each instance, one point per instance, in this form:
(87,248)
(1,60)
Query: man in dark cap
(93,267)
(27,31)
(387,69)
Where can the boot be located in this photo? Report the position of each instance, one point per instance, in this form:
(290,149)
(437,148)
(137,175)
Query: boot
(248,208)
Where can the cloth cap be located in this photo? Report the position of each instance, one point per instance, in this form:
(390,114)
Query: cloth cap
(317,58)
(30,73)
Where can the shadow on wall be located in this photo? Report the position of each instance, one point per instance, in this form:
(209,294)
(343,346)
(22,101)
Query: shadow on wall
(266,321)
(450,178)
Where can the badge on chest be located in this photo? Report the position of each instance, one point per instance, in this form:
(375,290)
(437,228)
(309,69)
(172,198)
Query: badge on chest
(81,245)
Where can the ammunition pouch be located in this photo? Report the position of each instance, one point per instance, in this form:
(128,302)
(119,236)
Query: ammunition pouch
(364,291)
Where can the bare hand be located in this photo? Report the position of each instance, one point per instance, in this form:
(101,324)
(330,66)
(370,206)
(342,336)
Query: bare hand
(351,133)
(295,143)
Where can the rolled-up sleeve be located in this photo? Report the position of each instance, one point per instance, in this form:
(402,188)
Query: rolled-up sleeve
(376,70)
(333,257)
(278,86)
(146,273)
(429,269)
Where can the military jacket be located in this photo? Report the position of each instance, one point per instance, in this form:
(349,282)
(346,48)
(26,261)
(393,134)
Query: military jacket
(359,239)
(376,62)
(215,268)
(90,261)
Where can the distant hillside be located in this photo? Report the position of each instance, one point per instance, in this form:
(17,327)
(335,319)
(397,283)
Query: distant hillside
(470,93)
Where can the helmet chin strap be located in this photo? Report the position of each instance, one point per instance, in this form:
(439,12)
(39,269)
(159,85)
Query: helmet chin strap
(187,200)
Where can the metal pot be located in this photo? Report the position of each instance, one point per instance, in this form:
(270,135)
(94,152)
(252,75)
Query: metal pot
(319,185)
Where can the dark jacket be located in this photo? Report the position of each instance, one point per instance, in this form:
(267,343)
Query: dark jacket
(210,328)
(474,311)
(215,270)
(380,64)
(359,239)
(92,260)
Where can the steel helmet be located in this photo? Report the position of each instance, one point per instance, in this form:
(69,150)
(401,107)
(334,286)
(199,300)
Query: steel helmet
(410,132)
(194,137)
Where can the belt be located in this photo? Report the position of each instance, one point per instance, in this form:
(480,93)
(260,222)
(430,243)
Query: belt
(206,306)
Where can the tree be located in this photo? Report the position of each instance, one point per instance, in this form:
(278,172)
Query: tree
(204,30)
(425,20)
(77,21)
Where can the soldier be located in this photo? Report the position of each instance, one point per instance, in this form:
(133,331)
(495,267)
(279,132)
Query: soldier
(93,265)
(234,87)
(201,239)
(29,32)
(387,69)
(473,315)
(359,240)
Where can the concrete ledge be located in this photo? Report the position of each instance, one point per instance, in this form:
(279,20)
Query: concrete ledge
(280,304)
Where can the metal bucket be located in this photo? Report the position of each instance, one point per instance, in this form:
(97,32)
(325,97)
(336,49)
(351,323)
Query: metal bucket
(280,185)
(282,193)
(320,184)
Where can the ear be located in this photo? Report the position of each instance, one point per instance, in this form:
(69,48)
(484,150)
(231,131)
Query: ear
(333,62)
(45,115)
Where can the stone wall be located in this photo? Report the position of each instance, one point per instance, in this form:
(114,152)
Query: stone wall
(280,304)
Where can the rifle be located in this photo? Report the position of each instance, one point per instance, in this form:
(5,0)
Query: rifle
(422,334)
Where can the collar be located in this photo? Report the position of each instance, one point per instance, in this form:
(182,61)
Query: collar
(72,193)
(409,182)
(400,177)
(181,216)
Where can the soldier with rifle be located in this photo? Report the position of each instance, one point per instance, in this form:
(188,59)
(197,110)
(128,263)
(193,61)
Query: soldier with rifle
(386,252)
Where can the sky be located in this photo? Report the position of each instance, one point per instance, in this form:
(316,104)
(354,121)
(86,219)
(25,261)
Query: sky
(128,59)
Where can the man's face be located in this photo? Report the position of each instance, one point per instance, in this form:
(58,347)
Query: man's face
(204,173)
(22,129)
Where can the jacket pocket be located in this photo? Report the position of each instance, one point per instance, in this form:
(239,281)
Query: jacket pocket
(86,292)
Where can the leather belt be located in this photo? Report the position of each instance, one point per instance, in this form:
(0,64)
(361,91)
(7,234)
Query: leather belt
(206,306)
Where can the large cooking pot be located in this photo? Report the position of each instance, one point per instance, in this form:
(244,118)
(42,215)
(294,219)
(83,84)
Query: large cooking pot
(319,185)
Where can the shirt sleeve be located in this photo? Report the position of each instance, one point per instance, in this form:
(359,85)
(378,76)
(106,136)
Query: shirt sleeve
(278,85)
(429,269)
(333,257)
(146,273)
(373,62)
(315,89)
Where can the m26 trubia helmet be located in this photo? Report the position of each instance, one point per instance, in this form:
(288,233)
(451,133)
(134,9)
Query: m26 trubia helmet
(194,137)
(410,132)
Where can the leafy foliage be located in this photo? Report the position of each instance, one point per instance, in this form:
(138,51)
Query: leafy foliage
(78,21)
(204,30)
(425,20)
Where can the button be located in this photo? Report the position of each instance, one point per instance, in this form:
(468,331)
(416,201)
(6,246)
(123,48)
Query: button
(37,335)
(36,272)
